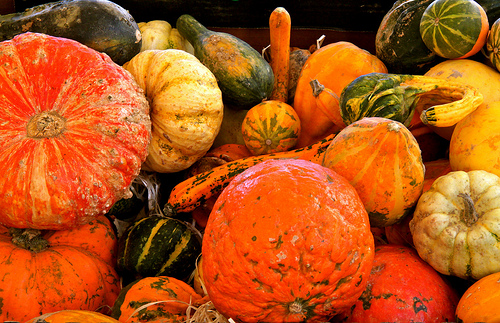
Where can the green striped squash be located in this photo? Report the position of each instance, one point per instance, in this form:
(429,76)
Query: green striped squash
(158,246)
(269,127)
(454,28)
(493,44)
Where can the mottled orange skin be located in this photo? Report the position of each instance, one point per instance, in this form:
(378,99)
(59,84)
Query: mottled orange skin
(61,181)
(286,234)
(403,288)
(335,66)
(382,160)
(73,272)
(65,316)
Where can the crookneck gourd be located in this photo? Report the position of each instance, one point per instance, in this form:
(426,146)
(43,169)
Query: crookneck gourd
(396,96)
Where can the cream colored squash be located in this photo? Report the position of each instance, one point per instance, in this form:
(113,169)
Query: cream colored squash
(159,34)
(186,107)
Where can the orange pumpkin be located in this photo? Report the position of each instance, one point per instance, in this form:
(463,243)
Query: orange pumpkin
(480,301)
(47,271)
(382,160)
(66,316)
(159,299)
(75,130)
(287,241)
(334,66)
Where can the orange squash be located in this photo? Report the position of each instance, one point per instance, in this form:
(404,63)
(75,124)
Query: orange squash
(65,316)
(382,160)
(287,241)
(480,301)
(334,66)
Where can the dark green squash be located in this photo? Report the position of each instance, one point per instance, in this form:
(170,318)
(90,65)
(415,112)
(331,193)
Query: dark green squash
(492,8)
(99,24)
(245,77)
(397,41)
(158,246)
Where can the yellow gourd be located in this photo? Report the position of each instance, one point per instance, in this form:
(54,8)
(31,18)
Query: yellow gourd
(159,34)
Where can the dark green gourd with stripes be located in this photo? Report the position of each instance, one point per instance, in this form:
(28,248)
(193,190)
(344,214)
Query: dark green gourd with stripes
(158,246)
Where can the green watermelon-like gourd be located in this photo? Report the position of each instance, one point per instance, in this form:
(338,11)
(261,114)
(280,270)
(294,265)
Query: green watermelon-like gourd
(269,127)
(493,45)
(454,28)
(158,246)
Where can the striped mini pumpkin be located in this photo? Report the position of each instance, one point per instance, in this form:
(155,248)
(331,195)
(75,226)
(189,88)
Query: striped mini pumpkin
(493,44)
(454,28)
(270,127)
(158,246)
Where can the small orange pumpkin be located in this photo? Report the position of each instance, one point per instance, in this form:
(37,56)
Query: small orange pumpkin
(269,127)
(334,66)
(480,301)
(382,160)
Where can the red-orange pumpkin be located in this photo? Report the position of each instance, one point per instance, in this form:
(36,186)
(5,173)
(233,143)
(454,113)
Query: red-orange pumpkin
(382,160)
(74,131)
(403,288)
(287,241)
(334,66)
(48,271)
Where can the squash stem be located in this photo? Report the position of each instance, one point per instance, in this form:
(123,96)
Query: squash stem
(469,214)
(29,239)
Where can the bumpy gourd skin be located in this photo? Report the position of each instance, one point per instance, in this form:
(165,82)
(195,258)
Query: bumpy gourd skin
(455,226)
(74,131)
(287,240)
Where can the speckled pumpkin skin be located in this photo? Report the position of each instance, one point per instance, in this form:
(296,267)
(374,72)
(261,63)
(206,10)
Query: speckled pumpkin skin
(287,241)
(74,131)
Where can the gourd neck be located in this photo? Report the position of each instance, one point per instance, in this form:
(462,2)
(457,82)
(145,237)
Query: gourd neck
(47,124)
(469,215)
(29,239)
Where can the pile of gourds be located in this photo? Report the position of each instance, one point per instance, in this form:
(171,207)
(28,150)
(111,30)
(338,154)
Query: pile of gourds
(357,187)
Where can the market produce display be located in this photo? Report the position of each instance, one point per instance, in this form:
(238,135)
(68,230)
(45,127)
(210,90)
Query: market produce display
(170,171)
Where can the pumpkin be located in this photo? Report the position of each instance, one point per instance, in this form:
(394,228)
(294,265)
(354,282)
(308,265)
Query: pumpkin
(159,299)
(382,160)
(396,96)
(403,288)
(398,42)
(475,141)
(454,226)
(72,138)
(159,34)
(65,316)
(271,126)
(479,303)
(186,107)
(334,66)
(47,271)
(245,77)
(454,28)
(158,246)
(492,48)
(266,239)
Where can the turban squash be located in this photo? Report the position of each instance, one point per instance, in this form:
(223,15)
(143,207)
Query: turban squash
(74,132)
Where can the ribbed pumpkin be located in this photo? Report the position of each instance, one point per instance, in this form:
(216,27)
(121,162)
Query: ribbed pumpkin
(160,299)
(74,132)
(493,44)
(66,316)
(334,66)
(287,241)
(186,107)
(403,288)
(269,127)
(382,160)
(454,28)
(158,246)
(480,301)
(47,271)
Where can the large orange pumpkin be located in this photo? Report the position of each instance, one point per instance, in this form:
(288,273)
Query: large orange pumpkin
(287,241)
(74,128)
(382,160)
(48,271)
(334,66)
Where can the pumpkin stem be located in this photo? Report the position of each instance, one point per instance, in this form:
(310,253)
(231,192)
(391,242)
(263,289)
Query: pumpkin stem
(46,124)
(469,215)
(30,239)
